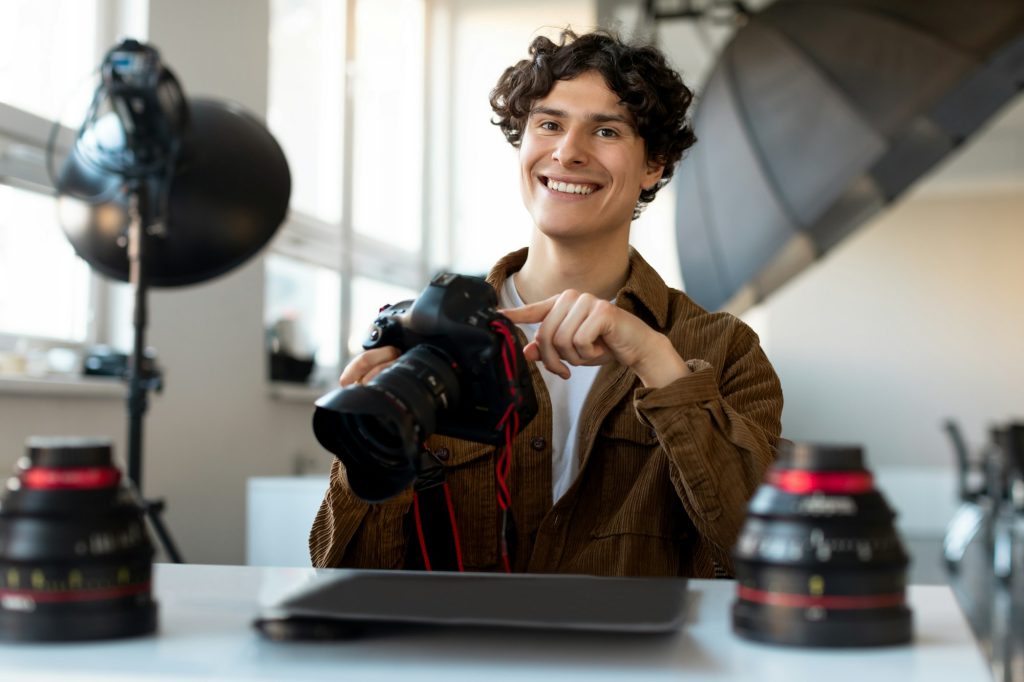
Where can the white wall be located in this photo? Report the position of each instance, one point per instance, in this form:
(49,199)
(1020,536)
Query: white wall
(915,318)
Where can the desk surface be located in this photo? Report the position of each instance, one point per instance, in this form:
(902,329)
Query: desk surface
(205,634)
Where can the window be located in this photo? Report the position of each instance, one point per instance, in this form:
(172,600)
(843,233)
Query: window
(306,81)
(44,287)
(49,51)
(302,314)
(48,48)
(346,101)
(388,141)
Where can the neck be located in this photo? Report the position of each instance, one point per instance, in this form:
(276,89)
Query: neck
(553,266)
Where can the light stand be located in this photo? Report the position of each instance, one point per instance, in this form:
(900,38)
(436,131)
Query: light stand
(179,192)
(142,378)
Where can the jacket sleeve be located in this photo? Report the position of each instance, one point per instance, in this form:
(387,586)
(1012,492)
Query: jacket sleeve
(348,532)
(720,428)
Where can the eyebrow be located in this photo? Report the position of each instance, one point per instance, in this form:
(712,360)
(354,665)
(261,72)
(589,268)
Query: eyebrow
(595,118)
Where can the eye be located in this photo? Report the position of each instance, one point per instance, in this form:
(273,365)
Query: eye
(607,132)
(548,125)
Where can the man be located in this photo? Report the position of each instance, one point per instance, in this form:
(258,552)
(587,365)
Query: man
(656,418)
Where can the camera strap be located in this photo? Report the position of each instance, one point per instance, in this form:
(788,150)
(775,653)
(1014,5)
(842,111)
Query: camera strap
(508,426)
(430,528)
(504,498)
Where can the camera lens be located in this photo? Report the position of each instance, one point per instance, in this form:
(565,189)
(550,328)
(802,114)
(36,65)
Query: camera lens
(819,562)
(377,429)
(75,557)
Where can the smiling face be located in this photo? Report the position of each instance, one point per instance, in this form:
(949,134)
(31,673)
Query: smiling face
(582,162)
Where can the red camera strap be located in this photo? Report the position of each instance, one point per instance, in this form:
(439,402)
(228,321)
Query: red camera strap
(431,521)
(423,508)
(509,423)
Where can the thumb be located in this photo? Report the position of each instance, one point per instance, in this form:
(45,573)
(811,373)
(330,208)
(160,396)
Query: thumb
(531,352)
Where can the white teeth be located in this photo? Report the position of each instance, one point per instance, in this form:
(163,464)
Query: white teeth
(569,188)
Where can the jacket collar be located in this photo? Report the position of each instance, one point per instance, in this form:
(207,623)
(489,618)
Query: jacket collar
(644,294)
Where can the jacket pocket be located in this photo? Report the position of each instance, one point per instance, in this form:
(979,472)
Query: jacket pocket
(640,531)
(637,497)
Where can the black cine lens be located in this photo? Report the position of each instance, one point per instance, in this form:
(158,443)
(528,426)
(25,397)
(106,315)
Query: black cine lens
(818,562)
(376,429)
(75,557)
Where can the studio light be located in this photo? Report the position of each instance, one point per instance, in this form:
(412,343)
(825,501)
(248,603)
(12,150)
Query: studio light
(161,191)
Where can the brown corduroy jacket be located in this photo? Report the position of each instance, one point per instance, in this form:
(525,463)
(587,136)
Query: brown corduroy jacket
(665,475)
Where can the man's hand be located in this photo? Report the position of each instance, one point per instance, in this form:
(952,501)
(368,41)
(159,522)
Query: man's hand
(581,329)
(367,365)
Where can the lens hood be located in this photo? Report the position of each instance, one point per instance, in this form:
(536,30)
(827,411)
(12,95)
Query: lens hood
(364,427)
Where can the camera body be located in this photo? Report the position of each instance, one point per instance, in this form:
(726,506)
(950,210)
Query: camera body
(453,315)
(462,373)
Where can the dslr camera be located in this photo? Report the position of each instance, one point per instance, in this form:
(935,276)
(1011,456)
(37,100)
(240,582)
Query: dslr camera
(461,373)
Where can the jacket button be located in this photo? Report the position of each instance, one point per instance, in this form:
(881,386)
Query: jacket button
(441,454)
(652,433)
(538,443)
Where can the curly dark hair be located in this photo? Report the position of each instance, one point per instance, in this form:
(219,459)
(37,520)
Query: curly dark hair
(639,74)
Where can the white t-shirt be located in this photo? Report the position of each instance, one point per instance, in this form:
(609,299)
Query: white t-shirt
(567,397)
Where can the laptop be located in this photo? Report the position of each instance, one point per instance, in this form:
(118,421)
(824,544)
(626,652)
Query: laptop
(355,603)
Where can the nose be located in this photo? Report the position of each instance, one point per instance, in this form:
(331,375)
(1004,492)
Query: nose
(571,150)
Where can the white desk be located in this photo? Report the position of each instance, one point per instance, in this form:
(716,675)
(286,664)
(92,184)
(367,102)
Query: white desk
(205,634)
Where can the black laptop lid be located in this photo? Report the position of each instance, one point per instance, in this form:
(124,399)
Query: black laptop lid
(641,605)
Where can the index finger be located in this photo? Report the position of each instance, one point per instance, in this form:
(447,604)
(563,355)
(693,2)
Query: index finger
(531,313)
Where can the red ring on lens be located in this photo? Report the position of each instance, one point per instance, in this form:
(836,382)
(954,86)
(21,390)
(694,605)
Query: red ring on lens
(95,594)
(800,482)
(72,478)
(833,601)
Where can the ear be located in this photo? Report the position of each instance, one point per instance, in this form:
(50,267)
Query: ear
(652,175)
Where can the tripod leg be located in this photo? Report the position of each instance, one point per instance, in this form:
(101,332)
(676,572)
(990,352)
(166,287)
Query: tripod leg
(153,509)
